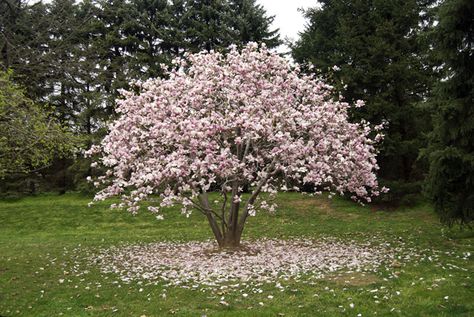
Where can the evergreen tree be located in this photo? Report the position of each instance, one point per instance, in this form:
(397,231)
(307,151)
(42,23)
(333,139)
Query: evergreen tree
(451,152)
(153,32)
(216,24)
(376,44)
(24,45)
(44,50)
(252,23)
(208,25)
(76,55)
(116,44)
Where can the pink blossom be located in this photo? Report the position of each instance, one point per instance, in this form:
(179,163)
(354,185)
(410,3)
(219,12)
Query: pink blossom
(224,121)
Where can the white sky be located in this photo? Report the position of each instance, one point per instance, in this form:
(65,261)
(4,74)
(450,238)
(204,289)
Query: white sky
(287,17)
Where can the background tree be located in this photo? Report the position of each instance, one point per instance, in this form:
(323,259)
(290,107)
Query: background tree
(76,56)
(253,24)
(209,25)
(216,24)
(54,46)
(377,46)
(24,45)
(451,152)
(227,121)
(30,137)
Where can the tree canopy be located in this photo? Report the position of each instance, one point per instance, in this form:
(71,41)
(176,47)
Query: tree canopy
(378,49)
(226,121)
(30,137)
(451,151)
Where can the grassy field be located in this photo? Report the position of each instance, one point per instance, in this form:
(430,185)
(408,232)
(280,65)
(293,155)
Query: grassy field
(41,239)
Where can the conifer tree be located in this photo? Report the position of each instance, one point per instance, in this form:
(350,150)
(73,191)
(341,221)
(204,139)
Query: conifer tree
(253,24)
(376,45)
(77,55)
(451,152)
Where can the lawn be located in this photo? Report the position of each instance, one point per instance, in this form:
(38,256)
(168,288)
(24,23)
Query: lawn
(46,243)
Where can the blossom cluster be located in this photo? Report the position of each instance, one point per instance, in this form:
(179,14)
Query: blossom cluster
(249,118)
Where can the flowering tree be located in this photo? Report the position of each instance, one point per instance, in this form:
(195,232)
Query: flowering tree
(222,122)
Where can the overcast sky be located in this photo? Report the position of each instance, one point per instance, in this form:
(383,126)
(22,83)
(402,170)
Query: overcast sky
(287,17)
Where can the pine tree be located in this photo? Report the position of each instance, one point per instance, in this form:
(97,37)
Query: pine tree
(208,25)
(24,45)
(451,152)
(376,44)
(252,23)
(153,28)
(216,24)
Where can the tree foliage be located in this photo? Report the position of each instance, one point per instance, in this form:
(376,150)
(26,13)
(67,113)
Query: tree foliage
(451,152)
(377,46)
(29,136)
(228,121)
(77,55)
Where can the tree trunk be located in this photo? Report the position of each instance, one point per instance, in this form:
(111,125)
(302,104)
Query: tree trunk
(231,239)
(210,218)
(233,228)
(231,233)
(229,236)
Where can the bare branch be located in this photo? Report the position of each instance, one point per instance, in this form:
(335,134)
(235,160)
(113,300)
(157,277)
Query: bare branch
(206,209)
(224,204)
(257,191)
(247,147)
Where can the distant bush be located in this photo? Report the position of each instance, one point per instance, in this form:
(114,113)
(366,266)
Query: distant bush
(400,193)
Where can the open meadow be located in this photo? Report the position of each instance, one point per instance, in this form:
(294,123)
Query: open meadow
(50,263)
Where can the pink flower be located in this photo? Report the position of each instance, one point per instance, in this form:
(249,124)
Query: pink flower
(225,121)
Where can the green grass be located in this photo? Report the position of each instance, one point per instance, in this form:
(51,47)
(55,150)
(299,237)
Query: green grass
(33,231)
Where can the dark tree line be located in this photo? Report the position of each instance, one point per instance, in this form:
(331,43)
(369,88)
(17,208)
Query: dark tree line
(74,56)
(451,149)
(412,62)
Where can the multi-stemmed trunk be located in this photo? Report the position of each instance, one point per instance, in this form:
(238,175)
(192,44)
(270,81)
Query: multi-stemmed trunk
(228,224)
(226,227)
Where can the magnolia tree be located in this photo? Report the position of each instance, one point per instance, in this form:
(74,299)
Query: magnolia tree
(225,122)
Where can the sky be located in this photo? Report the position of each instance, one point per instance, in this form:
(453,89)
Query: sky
(287,17)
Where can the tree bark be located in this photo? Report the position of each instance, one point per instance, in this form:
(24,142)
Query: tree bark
(230,234)
(231,239)
(211,219)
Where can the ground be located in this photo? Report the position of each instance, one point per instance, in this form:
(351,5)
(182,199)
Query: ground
(48,244)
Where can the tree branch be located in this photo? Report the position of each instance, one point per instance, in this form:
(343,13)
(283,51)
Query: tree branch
(212,222)
(224,204)
(206,210)
(246,151)
(256,192)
